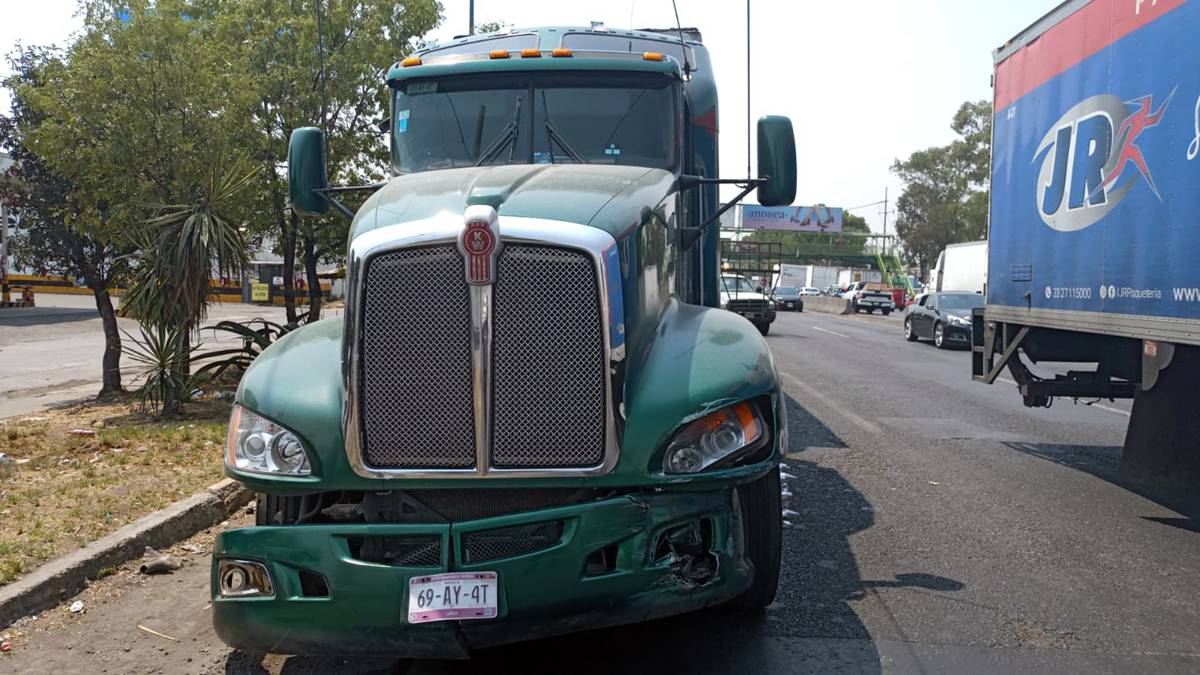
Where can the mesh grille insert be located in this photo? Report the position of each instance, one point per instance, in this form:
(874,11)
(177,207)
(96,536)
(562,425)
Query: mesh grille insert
(506,542)
(415,361)
(399,551)
(548,397)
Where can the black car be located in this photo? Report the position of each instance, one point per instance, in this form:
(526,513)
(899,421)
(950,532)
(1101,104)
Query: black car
(943,317)
(788,299)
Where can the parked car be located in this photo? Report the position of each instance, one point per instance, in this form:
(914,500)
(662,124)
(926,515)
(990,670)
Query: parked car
(788,298)
(810,290)
(899,297)
(944,318)
(869,296)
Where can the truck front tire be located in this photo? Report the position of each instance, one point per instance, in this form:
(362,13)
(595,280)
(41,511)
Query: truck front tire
(763,327)
(762,522)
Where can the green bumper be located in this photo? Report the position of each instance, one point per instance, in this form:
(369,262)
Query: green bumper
(542,593)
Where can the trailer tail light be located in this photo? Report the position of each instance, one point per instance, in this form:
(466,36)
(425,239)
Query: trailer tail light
(561,52)
(499,54)
(410,61)
(652,56)
(531,53)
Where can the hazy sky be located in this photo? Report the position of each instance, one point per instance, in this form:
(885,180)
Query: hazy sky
(864,81)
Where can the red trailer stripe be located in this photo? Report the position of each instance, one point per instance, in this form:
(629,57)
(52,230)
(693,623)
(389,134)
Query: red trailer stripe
(1072,40)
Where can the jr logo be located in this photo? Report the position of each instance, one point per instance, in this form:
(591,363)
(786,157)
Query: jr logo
(1090,159)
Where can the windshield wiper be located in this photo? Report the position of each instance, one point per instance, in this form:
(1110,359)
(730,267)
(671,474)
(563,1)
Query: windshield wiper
(507,138)
(553,136)
(556,137)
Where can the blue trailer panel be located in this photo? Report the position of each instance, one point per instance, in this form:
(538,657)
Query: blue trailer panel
(1095,209)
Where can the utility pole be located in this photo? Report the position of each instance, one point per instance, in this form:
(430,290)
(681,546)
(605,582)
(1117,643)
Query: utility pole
(748,174)
(471,18)
(321,61)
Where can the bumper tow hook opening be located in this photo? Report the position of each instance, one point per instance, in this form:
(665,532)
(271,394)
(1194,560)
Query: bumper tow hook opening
(689,549)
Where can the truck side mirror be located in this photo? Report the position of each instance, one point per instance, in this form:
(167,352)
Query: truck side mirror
(306,172)
(776,160)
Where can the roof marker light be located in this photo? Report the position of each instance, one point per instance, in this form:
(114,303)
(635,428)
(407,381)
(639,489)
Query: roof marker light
(499,54)
(410,61)
(561,52)
(652,56)
(531,53)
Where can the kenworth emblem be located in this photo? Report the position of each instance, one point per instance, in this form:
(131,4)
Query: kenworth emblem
(1091,158)
(480,244)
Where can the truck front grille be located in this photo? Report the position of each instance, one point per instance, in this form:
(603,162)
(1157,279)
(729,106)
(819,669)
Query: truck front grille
(735,305)
(415,361)
(415,381)
(548,355)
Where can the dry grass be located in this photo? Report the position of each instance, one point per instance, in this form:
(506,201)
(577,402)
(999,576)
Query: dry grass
(64,490)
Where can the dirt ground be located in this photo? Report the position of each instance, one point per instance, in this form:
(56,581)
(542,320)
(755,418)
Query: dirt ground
(72,475)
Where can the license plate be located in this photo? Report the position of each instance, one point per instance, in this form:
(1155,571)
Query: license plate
(452,597)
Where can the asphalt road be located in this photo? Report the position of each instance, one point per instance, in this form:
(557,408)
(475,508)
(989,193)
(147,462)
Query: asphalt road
(934,525)
(50,354)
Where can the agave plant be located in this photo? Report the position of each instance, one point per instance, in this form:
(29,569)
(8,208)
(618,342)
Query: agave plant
(256,335)
(163,381)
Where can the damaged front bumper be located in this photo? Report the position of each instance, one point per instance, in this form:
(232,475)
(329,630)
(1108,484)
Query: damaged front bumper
(614,561)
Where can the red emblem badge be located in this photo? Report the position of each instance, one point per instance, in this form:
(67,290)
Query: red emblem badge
(480,244)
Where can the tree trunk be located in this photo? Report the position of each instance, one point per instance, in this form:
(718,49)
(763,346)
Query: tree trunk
(111,362)
(289,266)
(314,284)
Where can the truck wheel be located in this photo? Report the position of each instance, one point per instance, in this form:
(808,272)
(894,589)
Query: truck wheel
(763,327)
(762,521)
(909,333)
(886,311)
(939,336)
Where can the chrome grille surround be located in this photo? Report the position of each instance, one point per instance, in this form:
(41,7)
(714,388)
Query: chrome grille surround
(577,239)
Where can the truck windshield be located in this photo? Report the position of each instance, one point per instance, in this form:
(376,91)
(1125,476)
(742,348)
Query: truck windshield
(737,285)
(594,118)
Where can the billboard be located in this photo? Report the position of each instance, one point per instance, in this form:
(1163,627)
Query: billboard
(818,218)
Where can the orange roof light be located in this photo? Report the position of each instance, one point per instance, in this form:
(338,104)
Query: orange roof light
(652,56)
(531,53)
(410,61)
(561,52)
(498,54)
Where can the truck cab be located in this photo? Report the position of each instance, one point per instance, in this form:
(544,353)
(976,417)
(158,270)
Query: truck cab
(534,417)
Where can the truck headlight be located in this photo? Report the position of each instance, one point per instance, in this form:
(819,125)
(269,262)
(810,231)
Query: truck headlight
(713,438)
(258,445)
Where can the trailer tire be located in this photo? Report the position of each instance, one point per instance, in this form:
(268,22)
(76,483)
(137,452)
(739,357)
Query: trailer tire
(762,523)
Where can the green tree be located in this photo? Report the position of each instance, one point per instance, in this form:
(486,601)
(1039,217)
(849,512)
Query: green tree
(273,46)
(946,188)
(54,236)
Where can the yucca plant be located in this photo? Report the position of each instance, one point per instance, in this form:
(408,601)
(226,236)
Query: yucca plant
(163,383)
(256,335)
(182,247)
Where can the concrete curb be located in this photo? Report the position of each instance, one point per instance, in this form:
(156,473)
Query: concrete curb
(66,575)
(827,305)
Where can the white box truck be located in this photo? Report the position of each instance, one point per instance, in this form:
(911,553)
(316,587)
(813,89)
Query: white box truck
(961,267)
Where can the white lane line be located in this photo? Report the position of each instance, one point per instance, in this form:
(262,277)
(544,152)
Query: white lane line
(831,332)
(837,406)
(1094,405)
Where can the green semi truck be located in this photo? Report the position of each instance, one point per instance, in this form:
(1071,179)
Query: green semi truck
(533,417)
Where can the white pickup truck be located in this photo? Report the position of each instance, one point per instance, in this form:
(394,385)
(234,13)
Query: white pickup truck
(869,296)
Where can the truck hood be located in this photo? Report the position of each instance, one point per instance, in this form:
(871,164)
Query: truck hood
(611,198)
